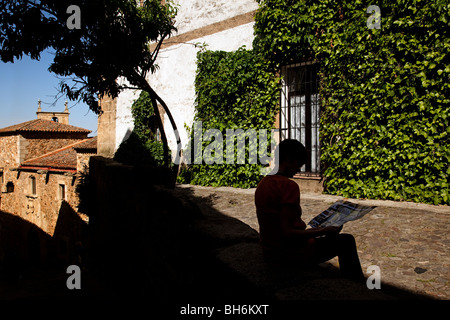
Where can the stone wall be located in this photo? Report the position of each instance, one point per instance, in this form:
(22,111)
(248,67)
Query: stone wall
(21,242)
(63,117)
(43,207)
(309,184)
(39,227)
(106,131)
(9,151)
(83,161)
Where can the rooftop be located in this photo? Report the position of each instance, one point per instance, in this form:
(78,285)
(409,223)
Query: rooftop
(64,159)
(39,125)
(89,145)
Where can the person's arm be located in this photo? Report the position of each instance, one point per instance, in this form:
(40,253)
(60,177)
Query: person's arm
(289,214)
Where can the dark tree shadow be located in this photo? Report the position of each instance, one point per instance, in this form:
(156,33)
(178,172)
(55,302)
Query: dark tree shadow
(150,240)
(22,246)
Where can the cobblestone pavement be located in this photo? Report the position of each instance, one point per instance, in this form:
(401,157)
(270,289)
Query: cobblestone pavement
(408,241)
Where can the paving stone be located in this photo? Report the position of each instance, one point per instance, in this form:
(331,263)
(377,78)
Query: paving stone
(397,236)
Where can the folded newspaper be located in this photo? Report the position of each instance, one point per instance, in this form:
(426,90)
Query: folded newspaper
(339,213)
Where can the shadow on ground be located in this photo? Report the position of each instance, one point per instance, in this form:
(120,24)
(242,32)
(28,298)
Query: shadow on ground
(162,243)
(234,246)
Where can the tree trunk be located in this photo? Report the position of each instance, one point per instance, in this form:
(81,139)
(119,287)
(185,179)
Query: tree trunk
(155,97)
(167,157)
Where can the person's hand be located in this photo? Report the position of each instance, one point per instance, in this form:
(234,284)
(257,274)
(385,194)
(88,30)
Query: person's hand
(331,231)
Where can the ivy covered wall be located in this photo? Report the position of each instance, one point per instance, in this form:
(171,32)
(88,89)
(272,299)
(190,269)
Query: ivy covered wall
(234,90)
(385,93)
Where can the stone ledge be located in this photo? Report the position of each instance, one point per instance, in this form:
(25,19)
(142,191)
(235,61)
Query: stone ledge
(330,289)
(220,232)
(245,260)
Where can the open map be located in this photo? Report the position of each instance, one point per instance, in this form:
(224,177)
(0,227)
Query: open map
(339,213)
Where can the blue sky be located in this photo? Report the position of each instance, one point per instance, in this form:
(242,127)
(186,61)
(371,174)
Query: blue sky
(25,81)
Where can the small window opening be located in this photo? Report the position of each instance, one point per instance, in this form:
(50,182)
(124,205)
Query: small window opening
(55,119)
(10,187)
(33,185)
(62,192)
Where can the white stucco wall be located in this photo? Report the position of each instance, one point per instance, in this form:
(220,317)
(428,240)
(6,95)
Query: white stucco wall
(124,119)
(174,80)
(195,14)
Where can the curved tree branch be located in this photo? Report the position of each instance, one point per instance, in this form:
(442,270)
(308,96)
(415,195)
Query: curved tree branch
(156,98)
(172,122)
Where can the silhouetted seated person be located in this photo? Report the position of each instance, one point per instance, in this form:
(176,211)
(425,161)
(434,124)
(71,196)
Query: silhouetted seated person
(283,234)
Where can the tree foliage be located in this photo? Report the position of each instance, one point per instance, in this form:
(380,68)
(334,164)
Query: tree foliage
(384,92)
(112,43)
(144,120)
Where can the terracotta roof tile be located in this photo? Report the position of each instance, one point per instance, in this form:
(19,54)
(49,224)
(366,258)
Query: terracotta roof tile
(87,145)
(61,159)
(39,125)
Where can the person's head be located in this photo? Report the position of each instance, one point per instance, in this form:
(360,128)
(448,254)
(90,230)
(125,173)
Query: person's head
(292,156)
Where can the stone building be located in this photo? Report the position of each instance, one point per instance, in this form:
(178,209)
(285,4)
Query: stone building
(40,164)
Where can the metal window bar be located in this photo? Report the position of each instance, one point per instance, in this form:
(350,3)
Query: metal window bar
(300,108)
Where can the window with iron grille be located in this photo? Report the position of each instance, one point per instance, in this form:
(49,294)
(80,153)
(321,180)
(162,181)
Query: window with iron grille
(299,114)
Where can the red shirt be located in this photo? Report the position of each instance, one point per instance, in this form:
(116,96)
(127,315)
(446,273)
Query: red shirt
(272,193)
